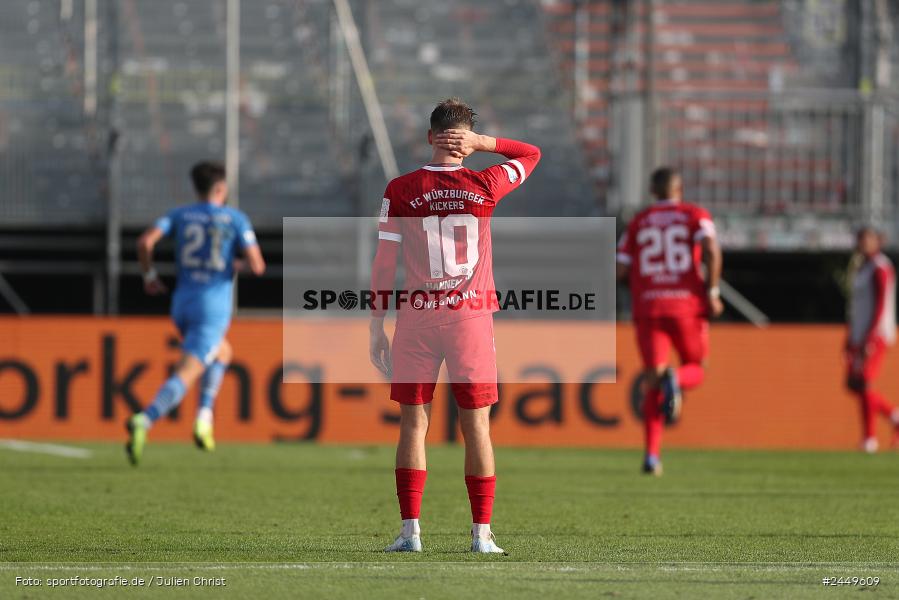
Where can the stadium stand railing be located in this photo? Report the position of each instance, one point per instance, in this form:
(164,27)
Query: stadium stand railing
(49,165)
(605,87)
(495,56)
(172,107)
(762,162)
(716,89)
(304,138)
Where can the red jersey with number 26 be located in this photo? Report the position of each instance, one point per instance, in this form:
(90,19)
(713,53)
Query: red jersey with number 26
(440,215)
(662,247)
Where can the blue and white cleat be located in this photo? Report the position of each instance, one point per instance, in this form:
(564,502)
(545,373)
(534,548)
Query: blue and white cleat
(672,398)
(405,544)
(486,545)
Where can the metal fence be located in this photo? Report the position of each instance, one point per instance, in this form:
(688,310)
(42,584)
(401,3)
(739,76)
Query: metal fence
(823,160)
(49,148)
(92,91)
(104,105)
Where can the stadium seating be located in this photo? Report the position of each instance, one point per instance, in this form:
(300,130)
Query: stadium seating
(289,165)
(728,112)
(491,55)
(296,158)
(48,151)
(305,141)
(698,47)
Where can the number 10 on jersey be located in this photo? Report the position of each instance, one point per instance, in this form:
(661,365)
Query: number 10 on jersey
(445,249)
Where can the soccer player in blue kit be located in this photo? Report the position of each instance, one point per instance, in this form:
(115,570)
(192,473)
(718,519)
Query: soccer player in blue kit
(208,236)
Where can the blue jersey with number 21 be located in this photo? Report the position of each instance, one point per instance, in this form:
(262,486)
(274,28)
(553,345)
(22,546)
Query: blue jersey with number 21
(207,239)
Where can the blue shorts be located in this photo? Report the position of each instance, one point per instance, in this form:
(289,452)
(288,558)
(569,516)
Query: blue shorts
(201,333)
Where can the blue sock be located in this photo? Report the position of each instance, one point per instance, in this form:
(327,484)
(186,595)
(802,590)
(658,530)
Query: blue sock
(210,383)
(168,397)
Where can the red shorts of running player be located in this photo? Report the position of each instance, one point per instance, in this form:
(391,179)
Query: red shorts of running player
(864,369)
(470,355)
(656,335)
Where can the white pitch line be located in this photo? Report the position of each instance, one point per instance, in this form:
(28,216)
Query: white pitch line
(579,567)
(52,449)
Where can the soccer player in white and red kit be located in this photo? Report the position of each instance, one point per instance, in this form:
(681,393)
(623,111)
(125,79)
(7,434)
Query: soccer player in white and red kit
(872,328)
(438,219)
(671,258)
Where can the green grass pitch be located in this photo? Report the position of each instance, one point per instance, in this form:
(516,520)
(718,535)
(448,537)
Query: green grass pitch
(291,521)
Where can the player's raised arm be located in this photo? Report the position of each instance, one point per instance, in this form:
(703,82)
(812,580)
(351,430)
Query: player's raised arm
(464,142)
(521,155)
(501,178)
(145,245)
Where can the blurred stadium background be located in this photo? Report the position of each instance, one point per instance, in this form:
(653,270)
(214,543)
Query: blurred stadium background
(781,114)
(783,118)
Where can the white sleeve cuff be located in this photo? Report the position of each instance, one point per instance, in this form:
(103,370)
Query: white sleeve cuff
(623,258)
(389,236)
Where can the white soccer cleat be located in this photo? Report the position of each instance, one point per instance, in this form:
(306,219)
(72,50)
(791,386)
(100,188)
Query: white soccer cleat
(405,544)
(486,545)
(870,445)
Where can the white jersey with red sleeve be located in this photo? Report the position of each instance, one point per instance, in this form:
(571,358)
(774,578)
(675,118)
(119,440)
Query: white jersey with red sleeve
(440,217)
(662,247)
(872,312)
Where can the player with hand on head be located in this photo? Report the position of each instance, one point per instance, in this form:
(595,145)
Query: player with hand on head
(872,328)
(208,236)
(438,219)
(670,256)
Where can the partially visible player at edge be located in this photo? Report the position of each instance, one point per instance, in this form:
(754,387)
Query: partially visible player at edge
(872,328)
(422,211)
(208,235)
(670,256)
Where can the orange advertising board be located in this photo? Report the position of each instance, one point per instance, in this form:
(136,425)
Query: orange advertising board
(71,378)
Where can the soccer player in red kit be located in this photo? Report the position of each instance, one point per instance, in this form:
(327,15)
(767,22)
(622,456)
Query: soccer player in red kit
(872,327)
(438,219)
(670,256)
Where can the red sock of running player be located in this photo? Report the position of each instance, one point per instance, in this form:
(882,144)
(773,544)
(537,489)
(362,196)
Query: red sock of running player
(480,493)
(869,414)
(652,421)
(879,404)
(690,375)
(410,486)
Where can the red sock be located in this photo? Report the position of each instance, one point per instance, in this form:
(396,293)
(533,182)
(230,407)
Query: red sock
(879,404)
(690,375)
(410,485)
(869,415)
(652,421)
(480,493)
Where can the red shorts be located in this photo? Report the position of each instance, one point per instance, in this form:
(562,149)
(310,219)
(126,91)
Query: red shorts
(688,335)
(868,367)
(468,349)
